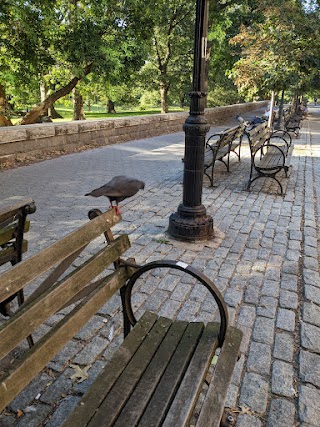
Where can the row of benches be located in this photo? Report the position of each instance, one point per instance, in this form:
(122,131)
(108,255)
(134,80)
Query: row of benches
(158,372)
(270,151)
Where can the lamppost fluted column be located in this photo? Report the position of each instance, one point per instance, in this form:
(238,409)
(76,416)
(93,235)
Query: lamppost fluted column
(191,222)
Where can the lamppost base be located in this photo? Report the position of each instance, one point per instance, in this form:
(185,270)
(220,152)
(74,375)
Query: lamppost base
(191,224)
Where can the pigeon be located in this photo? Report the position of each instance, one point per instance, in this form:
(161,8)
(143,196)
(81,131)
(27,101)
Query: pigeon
(118,189)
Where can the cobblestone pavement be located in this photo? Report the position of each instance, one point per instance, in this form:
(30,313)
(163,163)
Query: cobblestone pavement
(264,259)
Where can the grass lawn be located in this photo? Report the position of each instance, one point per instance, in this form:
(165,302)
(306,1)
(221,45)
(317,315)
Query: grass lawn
(96,114)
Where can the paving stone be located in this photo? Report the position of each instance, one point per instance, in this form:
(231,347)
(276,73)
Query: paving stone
(271,288)
(267,307)
(69,350)
(310,367)
(286,319)
(281,412)
(282,379)
(168,283)
(34,419)
(189,311)
(291,268)
(310,251)
(254,392)
(309,399)
(91,351)
(170,308)
(91,328)
(311,263)
(310,241)
(252,294)
(63,410)
(289,282)
(59,387)
(311,313)
(312,293)
(311,277)
(245,420)
(310,337)
(7,420)
(233,297)
(181,292)
(155,300)
(283,347)
(32,390)
(259,358)
(247,315)
(264,330)
(288,299)
(199,293)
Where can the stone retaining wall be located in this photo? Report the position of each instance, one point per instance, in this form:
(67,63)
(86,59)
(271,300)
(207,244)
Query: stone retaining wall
(24,144)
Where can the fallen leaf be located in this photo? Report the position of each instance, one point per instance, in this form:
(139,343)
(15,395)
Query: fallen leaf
(80,373)
(19,413)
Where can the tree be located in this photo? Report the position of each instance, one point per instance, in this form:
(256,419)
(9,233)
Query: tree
(67,42)
(169,28)
(278,52)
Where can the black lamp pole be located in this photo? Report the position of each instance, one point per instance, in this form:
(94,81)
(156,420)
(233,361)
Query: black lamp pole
(191,222)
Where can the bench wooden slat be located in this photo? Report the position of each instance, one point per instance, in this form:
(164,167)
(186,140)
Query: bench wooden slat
(111,372)
(20,275)
(8,254)
(162,398)
(186,398)
(42,352)
(10,210)
(118,395)
(9,233)
(33,314)
(53,277)
(217,391)
(131,413)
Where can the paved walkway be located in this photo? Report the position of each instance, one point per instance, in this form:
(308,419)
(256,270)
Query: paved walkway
(264,259)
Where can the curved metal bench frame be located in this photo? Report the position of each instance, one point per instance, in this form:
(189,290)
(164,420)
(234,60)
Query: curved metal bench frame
(178,265)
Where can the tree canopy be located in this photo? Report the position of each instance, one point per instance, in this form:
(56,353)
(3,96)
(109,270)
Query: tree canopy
(123,49)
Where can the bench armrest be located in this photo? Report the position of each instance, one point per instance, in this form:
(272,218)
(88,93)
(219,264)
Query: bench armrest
(178,265)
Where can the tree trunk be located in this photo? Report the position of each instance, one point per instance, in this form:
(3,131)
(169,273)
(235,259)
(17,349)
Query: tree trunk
(164,88)
(37,111)
(4,109)
(271,112)
(53,113)
(280,112)
(110,106)
(78,111)
(44,95)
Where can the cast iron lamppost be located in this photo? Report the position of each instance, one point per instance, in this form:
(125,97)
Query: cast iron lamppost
(191,221)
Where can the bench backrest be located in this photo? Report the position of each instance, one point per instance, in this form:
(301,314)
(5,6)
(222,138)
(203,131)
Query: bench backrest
(86,287)
(13,225)
(227,136)
(257,136)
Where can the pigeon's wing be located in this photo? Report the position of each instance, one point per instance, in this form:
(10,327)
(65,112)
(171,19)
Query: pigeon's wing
(128,186)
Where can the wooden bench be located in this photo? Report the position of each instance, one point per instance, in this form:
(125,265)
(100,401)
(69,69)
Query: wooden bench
(219,146)
(292,121)
(270,153)
(157,373)
(13,226)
